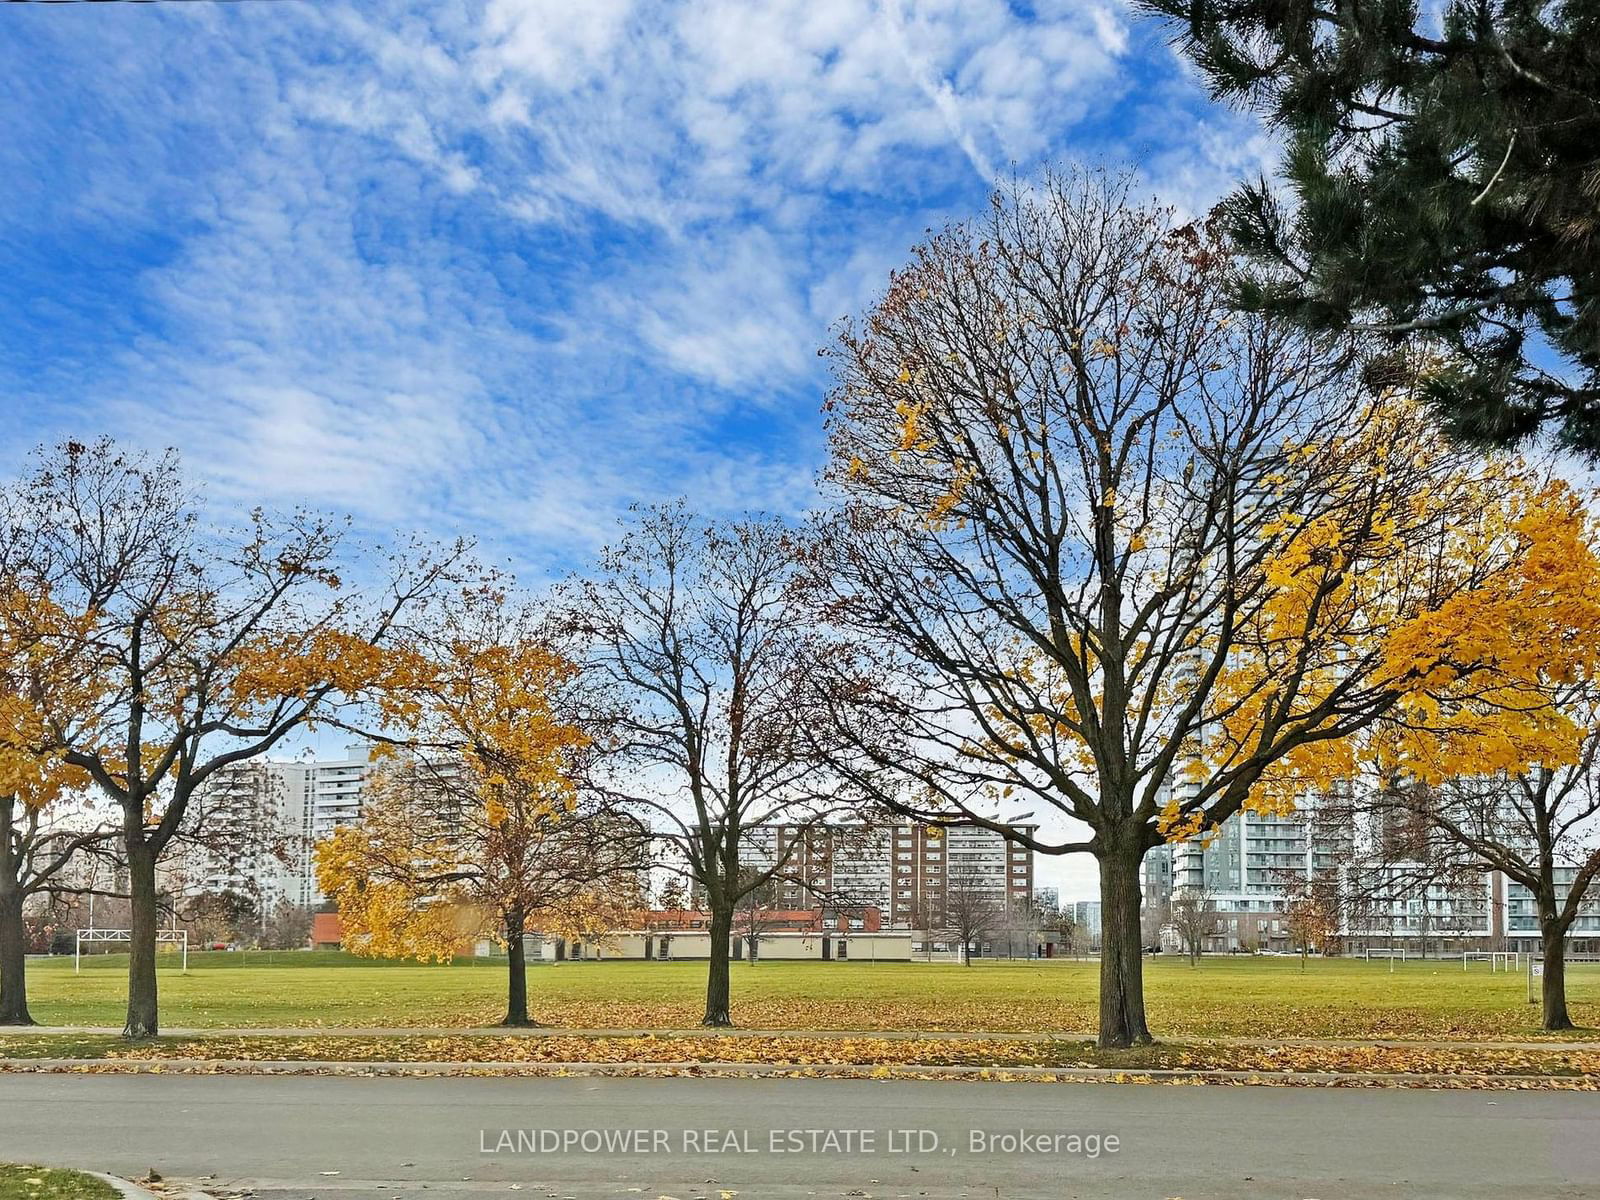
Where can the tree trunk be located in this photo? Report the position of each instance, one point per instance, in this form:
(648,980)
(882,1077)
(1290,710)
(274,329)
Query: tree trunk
(1553,987)
(717,1013)
(517,986)
(13,960)
(142,1001)
(1122,1022)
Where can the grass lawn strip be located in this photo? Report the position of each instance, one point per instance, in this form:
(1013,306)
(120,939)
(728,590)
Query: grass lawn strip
(46,1183)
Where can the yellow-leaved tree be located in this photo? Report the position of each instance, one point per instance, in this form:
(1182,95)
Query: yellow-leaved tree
(481,824)
(44,820)
(1108,548)
(1500,766)
(204,647)
(1491,738)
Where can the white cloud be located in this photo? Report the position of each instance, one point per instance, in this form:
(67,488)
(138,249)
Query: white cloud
(734,315)
(554,42)
(506,268)
(713,108)
(304,369)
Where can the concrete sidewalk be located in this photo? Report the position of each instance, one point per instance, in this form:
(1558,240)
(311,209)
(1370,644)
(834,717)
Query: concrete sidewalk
(553,1031)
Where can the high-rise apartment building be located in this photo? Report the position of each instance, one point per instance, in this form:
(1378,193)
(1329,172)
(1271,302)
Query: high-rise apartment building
(1086,919)
(1255,860)
(1246,872)
(1521,926)
(1391,904)
(259,821)
(333,791)
(1388,889)
(905,870)
(248,841)
(1155,879)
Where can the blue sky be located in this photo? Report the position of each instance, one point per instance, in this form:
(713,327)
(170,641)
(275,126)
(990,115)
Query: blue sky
(505,267)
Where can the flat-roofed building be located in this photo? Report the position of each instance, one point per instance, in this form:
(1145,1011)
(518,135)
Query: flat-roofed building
(903,869)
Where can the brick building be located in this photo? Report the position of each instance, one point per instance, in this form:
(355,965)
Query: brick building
(904,870)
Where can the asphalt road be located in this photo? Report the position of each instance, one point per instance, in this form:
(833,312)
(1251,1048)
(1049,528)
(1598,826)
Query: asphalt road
(410,1139)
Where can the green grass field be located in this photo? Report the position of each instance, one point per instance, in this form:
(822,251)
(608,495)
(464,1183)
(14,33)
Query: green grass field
(1244,997)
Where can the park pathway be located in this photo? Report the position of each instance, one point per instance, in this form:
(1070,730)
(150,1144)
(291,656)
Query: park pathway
(551,1031)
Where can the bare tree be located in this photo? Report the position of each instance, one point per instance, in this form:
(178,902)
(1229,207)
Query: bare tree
(1080,499)
(1021,922)
(699,634)
(675,894)
(33,860)
(1541,828)
(286,926)
(1193,920)
(228,917)
(1156,916)
(970,913)
(1313,915)
(1065,926)
(756,908)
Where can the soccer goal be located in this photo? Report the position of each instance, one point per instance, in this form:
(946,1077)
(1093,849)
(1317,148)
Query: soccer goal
(1498,960)
(1381,952)
(96,937)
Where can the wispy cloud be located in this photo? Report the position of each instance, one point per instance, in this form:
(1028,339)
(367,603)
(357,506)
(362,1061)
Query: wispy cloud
(504,267)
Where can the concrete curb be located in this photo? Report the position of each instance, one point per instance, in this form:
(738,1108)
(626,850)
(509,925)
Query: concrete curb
(133,1191)
(129,1191)
(730,1070)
